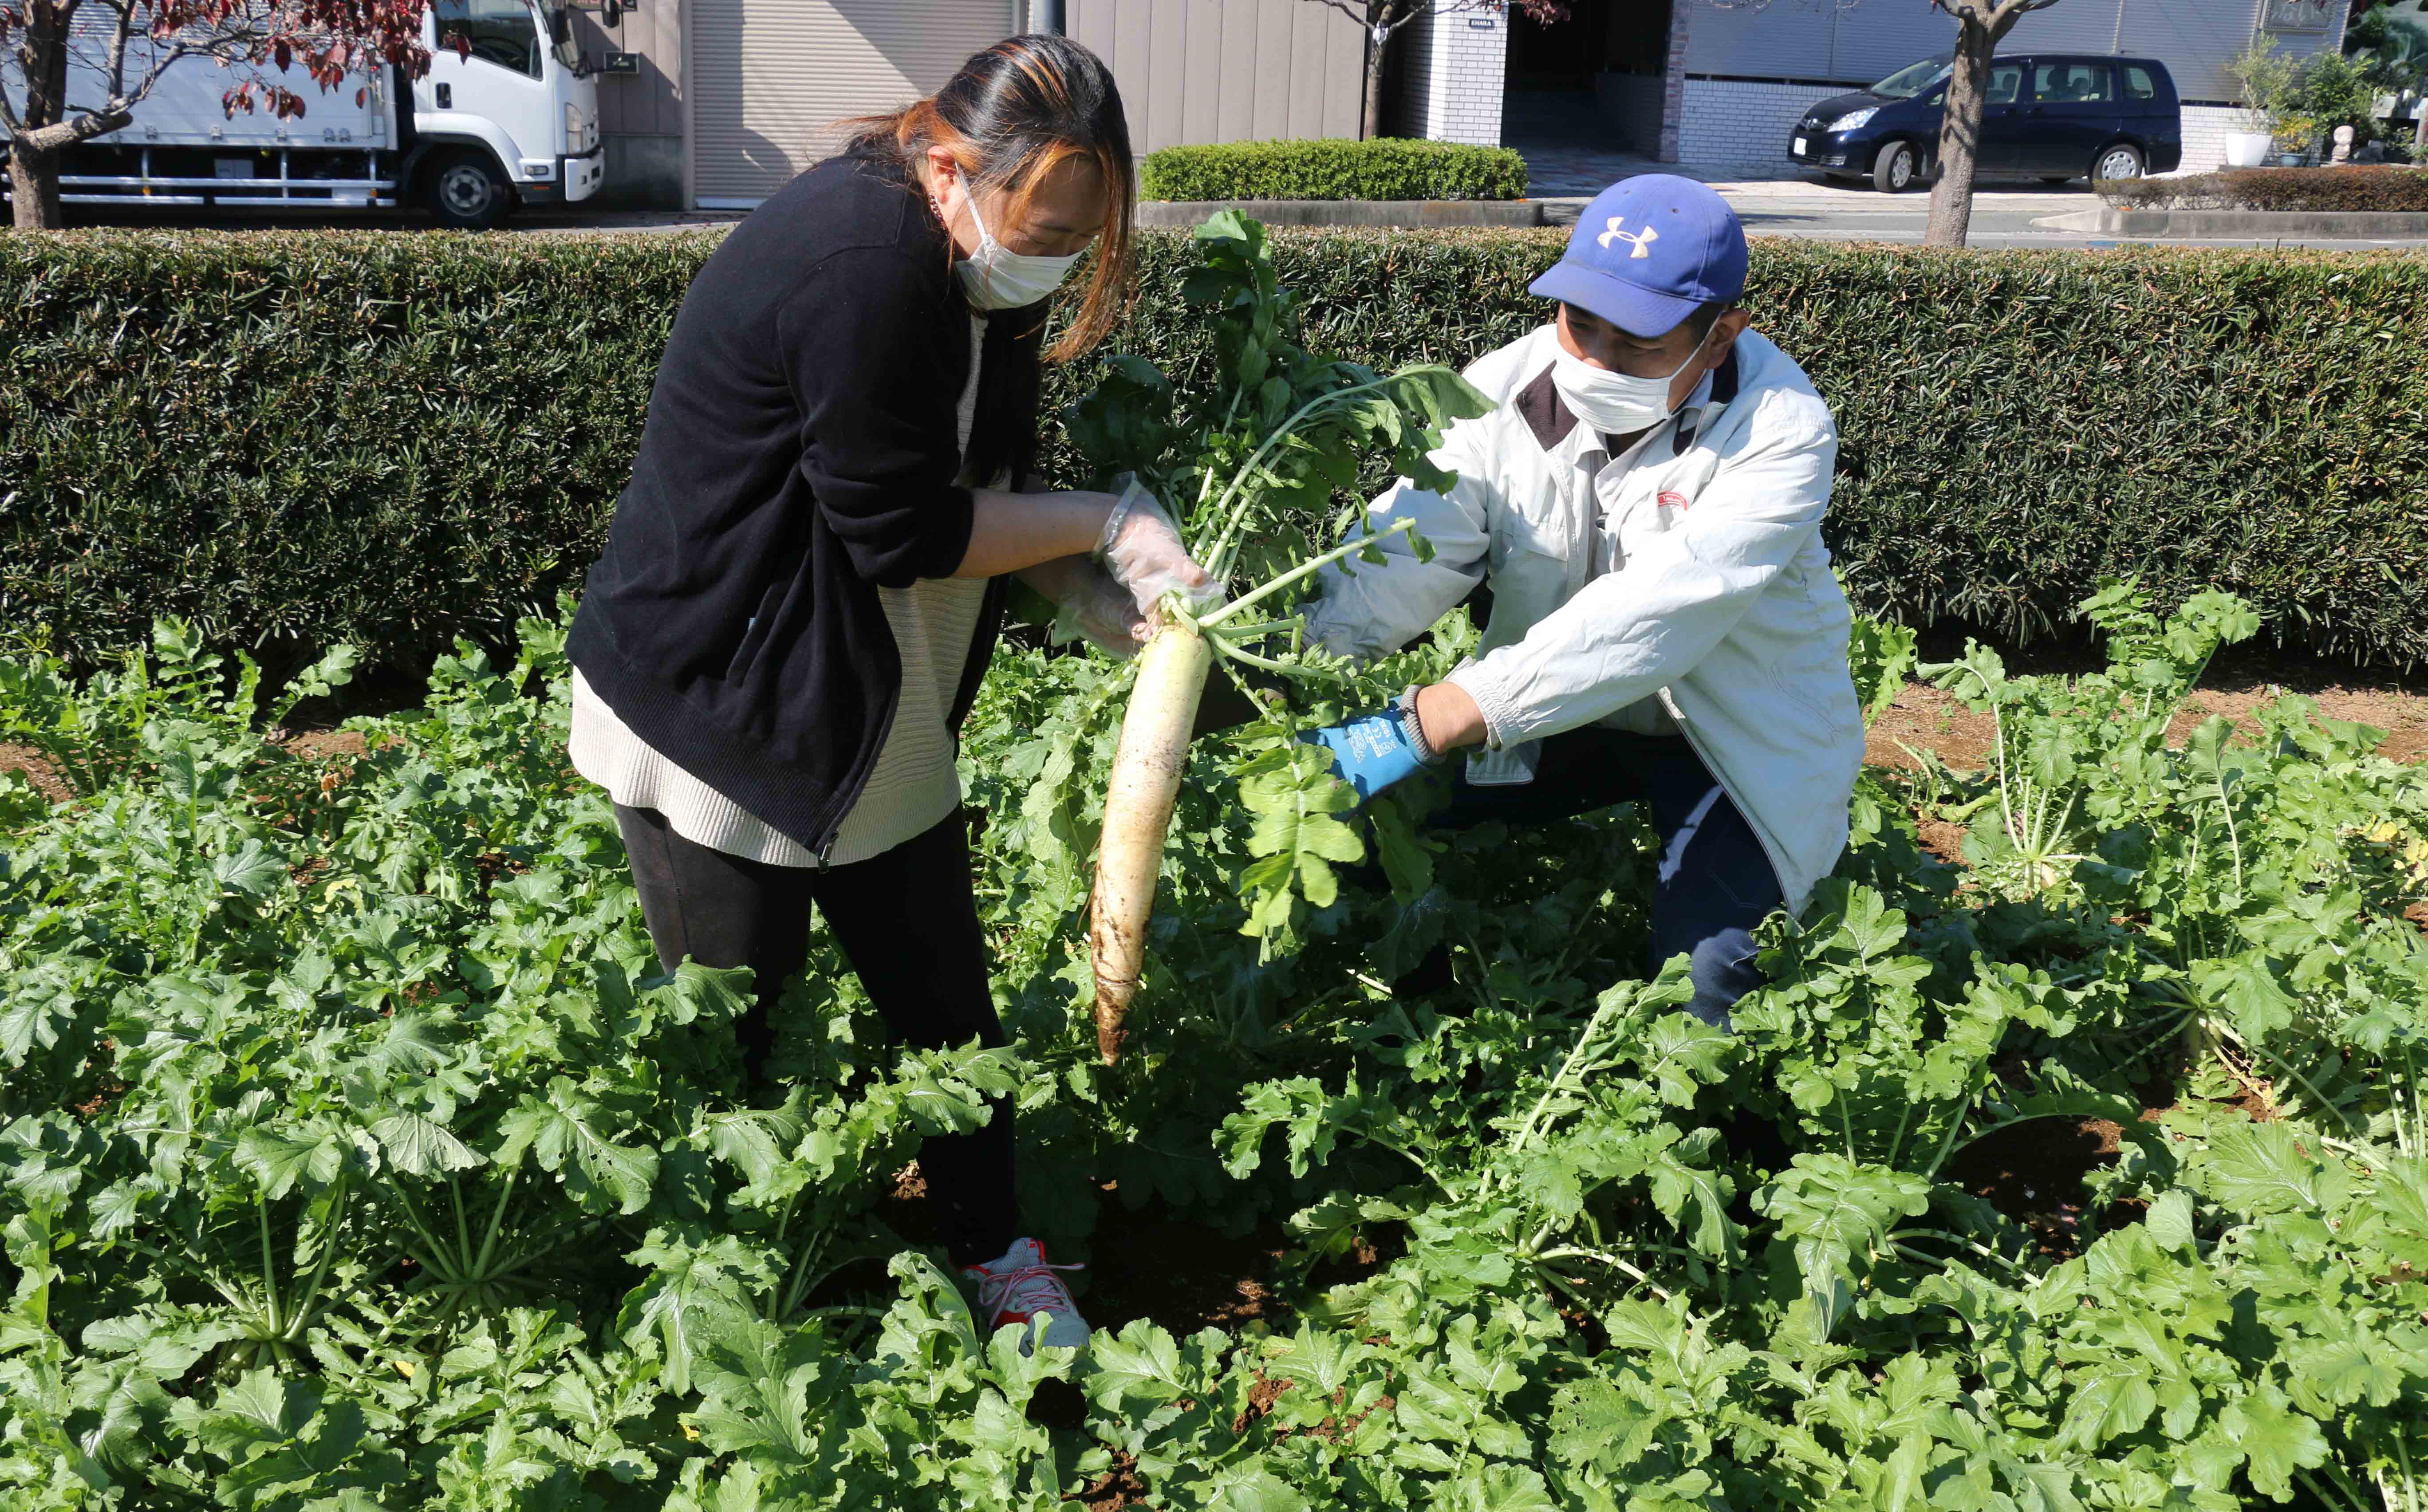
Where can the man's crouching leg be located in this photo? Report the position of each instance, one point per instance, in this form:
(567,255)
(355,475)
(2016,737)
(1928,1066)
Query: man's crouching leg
(1714,886)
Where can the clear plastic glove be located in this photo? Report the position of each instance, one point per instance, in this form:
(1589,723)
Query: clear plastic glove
(1140,547)
(1093,605)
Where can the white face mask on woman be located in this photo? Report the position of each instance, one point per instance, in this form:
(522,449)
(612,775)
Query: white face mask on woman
(1616,404)
(994,277)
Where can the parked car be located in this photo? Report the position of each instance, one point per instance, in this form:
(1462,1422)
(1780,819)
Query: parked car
(2050,116)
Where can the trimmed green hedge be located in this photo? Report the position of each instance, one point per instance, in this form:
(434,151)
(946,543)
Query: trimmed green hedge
(388,440)
(295,438)
(1386,169)
(2356,188)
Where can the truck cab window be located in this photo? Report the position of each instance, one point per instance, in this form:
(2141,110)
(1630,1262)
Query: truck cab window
(504,32)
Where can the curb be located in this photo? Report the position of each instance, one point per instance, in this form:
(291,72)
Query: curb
(1403,215)
(2360,225)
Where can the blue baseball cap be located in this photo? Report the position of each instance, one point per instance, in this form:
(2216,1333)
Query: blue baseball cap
(1647,252)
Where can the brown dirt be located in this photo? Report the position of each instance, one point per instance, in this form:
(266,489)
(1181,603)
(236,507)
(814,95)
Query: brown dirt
(1924,719)
(2032,1171)
(1178,1273)
(1942,839)
(38,771)
(1928,719)
(1261,1398)
(1175,1272)
(1117,1489)
(317,745)
(323,743)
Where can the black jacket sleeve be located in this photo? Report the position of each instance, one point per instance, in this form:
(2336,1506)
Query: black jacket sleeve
(877,352)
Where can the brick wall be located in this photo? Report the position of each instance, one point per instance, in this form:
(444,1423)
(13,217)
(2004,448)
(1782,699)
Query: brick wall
(2205,129)
(1673,79)
(1727,125)
(1450,77)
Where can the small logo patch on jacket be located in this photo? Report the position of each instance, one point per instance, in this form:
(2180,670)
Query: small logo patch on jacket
(1672,499)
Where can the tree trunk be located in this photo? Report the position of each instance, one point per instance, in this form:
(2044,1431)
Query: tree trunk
(1960,136)
(34,188)
(33,173)
(1378,46)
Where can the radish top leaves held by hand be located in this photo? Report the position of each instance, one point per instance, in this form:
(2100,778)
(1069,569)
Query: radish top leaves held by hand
(1248,457)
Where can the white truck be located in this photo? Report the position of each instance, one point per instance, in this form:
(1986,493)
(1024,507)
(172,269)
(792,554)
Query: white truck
(510,118)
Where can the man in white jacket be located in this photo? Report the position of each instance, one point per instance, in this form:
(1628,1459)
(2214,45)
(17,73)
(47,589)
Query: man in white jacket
(1645,505)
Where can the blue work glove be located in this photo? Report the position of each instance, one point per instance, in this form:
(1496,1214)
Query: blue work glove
(1369,752)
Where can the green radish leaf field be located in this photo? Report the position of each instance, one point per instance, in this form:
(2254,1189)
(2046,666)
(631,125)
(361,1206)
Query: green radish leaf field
(357,1157)
(354,1154)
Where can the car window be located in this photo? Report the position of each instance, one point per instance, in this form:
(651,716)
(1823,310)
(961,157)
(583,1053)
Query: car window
(495,32)
(2064,83)
(2137,83)
(2006,81)
(1912,80)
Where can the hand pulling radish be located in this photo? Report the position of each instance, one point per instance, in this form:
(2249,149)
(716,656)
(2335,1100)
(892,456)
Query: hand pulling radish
(1261,457)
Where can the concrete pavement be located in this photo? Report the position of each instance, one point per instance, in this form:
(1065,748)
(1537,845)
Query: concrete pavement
(2004,215)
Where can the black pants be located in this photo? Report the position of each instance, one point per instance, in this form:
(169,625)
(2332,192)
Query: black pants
(1715,881)
(907,923)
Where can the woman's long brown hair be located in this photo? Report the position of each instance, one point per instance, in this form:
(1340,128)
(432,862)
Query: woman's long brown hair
(1011,114)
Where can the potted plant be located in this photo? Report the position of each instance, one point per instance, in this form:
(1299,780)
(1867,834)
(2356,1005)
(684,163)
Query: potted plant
(2333,91)
(2263,76)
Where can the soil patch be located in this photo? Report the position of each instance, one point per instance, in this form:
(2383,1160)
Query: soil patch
(1179,1275)
(38,771)
(2402,716)
(1175,1272)
(2032,1171)
(1923,719)
(1116,1488)
(319,744)
(313,745)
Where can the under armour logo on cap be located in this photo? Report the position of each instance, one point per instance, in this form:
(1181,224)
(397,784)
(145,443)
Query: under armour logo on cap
(1642,240)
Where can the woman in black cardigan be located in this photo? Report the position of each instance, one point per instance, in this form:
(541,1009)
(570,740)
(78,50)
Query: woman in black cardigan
(806,574)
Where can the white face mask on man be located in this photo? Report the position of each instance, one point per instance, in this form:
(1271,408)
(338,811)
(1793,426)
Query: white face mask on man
(1616,404)
(994,277)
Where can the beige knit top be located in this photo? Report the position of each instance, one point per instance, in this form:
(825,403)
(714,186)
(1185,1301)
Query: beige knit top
(914,786)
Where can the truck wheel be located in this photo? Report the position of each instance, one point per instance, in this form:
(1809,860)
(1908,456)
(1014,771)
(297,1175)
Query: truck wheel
(465,190)
(1896,167)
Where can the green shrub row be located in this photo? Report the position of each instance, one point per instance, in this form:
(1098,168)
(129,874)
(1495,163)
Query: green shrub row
(1388,169)
(293,439)
(2276,189)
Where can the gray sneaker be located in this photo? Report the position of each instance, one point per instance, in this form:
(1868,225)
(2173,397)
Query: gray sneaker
(1020,1286)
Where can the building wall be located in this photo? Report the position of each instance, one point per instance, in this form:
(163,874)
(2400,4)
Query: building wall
(1633,103)
(1731,123)
(1820,44)
(1748,74)
(640,114)
(1824,44)
(1451,70)
(1195,71)
(2205,129)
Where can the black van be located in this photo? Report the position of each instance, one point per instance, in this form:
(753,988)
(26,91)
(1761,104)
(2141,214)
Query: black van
(2052,116)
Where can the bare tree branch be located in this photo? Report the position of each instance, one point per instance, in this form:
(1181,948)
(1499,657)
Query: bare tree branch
(1356,13)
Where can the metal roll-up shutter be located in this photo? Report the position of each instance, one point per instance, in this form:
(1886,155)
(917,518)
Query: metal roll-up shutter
(769,78)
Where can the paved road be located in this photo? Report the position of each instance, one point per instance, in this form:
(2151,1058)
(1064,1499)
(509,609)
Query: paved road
(1807,204)
(2003,216)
